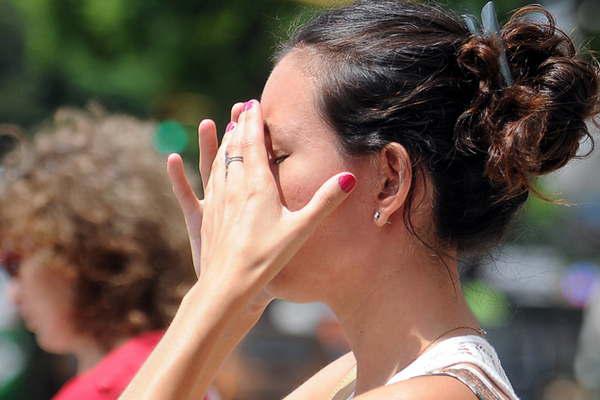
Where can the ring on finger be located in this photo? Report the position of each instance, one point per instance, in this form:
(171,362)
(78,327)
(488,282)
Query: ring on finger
(229,160)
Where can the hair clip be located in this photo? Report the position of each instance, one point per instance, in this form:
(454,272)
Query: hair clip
(491,28)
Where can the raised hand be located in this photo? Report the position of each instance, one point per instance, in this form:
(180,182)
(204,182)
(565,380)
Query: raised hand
(241,234)
(191,206)
(247,235)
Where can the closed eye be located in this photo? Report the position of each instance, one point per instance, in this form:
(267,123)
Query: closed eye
(280,159)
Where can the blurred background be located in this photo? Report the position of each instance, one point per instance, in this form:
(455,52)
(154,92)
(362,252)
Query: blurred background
(178,61)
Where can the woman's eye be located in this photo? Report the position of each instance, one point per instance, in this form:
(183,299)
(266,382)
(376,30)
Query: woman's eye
(279,160)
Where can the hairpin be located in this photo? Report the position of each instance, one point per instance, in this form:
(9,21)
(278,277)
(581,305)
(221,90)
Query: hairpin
(491,28)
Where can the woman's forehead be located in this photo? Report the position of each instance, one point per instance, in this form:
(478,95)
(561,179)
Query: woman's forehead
(288,99)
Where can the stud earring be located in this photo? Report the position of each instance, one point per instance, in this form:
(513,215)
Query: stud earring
(377,215)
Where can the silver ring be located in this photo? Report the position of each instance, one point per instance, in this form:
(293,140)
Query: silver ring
(229,160)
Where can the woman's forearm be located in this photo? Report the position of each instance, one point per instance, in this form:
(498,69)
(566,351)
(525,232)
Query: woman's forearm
(207,327)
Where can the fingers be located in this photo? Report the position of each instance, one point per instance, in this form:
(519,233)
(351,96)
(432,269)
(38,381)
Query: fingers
(208,142)
(181,186)
(327,198)
(190,205)
(235,170)
(249,140)
(242,139)
(236,110)
(216,184)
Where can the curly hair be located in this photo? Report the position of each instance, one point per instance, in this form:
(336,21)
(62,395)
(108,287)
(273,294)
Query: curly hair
(411,72)
(93,191)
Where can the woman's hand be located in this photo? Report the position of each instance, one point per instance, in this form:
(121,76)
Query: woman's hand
(248,236)
(191,206)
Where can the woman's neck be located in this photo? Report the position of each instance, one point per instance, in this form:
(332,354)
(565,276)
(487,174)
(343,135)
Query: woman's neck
(392,316)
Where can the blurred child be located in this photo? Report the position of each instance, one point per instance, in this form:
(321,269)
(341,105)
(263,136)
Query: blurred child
(91,236)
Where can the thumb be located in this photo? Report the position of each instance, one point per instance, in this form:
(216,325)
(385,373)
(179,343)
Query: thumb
(327,198)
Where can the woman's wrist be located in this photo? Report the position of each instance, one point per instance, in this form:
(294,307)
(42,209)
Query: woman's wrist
(209,324)
(234,302)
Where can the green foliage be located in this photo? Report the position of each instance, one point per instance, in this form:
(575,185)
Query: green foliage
(181,59)
(147,57)
(490,306)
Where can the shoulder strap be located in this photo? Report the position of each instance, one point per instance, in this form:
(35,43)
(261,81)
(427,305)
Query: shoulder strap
(475,380)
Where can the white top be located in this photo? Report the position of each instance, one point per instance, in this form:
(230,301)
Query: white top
(470,359)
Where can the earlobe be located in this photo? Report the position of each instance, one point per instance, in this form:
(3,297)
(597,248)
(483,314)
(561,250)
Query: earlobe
(379,219)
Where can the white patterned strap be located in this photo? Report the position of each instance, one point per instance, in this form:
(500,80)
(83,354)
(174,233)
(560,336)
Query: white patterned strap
(471,376)
(476,380)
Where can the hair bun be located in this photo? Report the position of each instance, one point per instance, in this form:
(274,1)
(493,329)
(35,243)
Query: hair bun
(534,126)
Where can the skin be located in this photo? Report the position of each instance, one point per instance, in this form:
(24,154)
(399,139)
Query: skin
(282,228)
(44,298)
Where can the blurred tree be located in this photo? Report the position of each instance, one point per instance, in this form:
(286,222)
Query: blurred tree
(179,59)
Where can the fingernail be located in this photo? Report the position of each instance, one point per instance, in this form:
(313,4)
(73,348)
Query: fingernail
(230,126)
(248,105)
(347,182)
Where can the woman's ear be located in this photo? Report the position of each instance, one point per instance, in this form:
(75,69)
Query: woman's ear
(396,181)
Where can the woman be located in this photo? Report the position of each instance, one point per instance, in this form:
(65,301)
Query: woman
(97,271)
(387,144)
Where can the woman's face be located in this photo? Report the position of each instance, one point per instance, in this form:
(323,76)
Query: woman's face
(313,155)
(44,297)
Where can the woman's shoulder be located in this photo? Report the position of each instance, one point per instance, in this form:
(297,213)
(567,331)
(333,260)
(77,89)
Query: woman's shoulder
(324,383)
(471,361)
(456,367)
(421,388)
(470,349)
(461,367)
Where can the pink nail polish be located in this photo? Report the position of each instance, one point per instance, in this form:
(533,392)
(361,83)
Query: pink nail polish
(248,105)
(347,182)
(230,126)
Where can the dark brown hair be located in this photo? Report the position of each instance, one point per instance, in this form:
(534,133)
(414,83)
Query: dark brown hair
(93,195)
(411,72)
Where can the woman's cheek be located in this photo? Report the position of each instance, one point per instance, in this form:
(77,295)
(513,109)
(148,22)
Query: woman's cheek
(298,183)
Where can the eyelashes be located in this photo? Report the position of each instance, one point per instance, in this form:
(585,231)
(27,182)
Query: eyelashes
(280,159)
